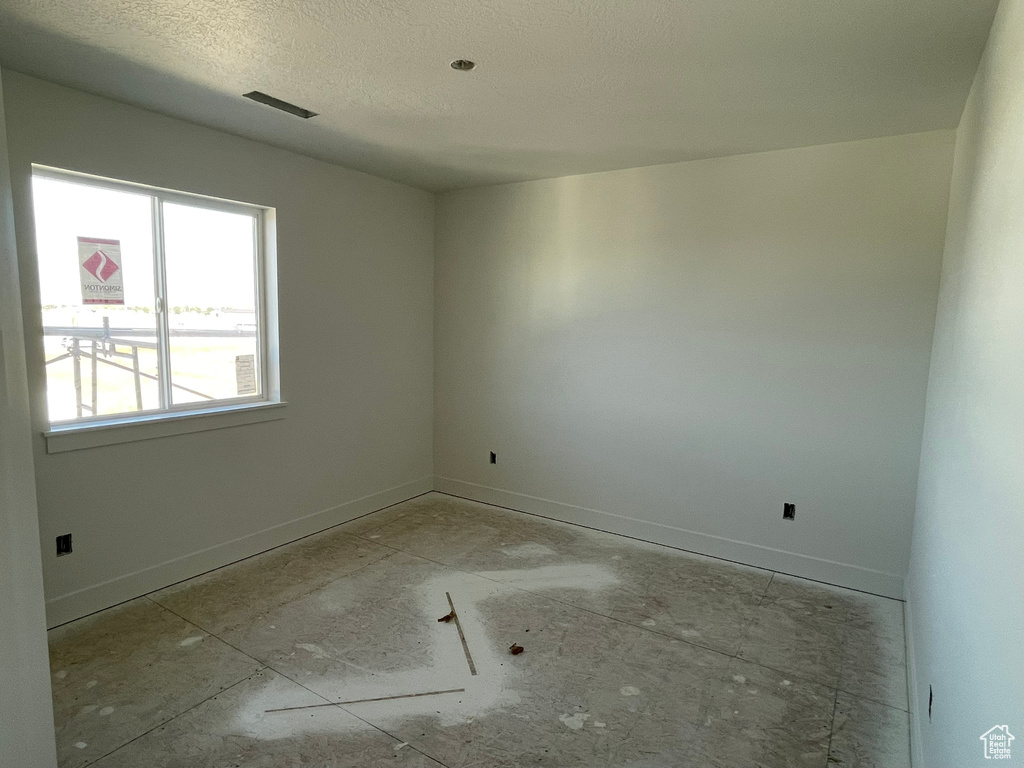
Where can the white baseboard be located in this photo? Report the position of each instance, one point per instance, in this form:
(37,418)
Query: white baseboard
(916,745)
(827,571)
(96,597)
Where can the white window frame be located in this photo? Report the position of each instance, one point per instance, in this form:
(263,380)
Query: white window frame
(267,333)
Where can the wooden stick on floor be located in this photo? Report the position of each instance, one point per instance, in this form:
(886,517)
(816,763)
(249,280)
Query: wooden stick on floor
(462,636)
(364,701)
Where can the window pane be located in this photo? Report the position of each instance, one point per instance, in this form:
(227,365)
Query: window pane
(113,262)
(210,260)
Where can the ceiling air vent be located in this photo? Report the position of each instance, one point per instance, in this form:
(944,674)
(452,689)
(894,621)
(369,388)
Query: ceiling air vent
(284,106)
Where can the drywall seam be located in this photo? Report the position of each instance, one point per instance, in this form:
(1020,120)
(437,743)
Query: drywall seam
(96,597)
(792,563)
(916,745)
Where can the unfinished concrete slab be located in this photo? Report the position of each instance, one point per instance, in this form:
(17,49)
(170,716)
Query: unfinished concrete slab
(635,655)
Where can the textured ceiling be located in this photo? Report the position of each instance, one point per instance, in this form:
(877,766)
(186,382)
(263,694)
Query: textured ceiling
(561,86)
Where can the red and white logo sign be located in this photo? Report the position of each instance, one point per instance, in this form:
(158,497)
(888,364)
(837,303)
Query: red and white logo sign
(100,269)
(101,266)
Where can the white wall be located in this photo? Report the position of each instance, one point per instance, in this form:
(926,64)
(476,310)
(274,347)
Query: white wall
(966,604)
(355,262)
(673,352)
(26,712)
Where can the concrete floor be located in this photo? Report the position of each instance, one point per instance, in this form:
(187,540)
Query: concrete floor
(635,655)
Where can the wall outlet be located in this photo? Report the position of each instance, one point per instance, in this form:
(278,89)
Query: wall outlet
(64,545)
(789,511)
(494,458)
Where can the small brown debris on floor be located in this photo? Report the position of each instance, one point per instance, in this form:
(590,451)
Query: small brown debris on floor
(515,649)
(447,617)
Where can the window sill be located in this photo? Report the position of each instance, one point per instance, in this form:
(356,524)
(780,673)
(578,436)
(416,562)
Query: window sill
(74,437)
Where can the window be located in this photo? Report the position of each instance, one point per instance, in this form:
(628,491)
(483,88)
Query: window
(152,301)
